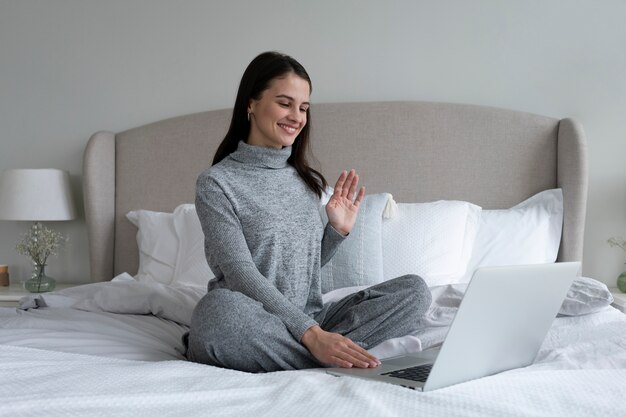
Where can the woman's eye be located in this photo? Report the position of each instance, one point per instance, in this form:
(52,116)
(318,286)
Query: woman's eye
(283,104)
(303,110)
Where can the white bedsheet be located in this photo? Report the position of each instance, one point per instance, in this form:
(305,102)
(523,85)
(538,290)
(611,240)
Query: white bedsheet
(580,371)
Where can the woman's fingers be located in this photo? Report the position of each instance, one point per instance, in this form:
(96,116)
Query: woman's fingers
(359,197)
(341,363)
(356,355)
(366,361)
(346,186)
(342,186)
(364,354)
(352,188)
(351,359)
(335,349)
(348,183)
(355,358)
(340,181)
(345,363)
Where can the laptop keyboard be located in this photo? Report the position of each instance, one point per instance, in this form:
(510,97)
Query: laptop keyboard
(416,373)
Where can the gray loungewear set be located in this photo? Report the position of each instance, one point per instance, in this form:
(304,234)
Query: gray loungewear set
(265,243)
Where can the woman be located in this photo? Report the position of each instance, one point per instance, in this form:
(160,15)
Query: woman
(264,240)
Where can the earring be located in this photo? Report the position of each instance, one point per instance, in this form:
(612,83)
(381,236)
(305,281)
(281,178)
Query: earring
(248,116)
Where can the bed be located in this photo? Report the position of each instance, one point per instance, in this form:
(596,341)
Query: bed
(113,347)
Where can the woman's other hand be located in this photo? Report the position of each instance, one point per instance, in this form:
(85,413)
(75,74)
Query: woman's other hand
(341,210)
(337,350)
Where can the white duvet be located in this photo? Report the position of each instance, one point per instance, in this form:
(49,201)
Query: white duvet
(580,370)
(124,319)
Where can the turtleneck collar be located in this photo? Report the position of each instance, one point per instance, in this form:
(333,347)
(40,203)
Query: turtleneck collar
(261,156)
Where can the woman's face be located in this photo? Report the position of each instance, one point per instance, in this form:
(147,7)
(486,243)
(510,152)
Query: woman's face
(279,115)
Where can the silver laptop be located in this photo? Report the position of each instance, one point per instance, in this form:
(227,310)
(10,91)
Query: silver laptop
(500,325)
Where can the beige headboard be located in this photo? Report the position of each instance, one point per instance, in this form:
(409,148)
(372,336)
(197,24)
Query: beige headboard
(417,151)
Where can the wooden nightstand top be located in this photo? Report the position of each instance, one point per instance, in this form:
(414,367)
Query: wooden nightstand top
(15,291)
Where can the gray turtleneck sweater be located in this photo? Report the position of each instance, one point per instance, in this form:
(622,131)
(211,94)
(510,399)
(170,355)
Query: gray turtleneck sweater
(263,233)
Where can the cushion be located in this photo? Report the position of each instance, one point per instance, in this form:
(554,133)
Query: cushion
(358,260)
(433,240)
(192,268)
(528,233)
(158,245)
(171,247)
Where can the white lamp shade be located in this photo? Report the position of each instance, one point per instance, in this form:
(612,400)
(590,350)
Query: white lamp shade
(36,195)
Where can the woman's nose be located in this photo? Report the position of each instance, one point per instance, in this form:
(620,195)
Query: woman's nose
(296,115)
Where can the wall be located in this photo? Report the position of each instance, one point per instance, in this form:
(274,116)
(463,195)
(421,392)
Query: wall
(71,67)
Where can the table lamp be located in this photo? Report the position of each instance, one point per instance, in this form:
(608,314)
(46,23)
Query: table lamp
(37,195)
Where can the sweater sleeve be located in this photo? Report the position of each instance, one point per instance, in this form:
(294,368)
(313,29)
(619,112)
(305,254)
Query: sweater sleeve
(330,243)
(225,247)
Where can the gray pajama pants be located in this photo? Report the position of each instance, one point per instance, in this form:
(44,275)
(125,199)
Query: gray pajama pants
(230,330)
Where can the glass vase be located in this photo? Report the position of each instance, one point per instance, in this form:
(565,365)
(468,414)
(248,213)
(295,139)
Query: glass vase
(621,282)
(39,281)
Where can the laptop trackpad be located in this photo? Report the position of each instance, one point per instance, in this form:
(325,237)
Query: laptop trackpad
(426,356)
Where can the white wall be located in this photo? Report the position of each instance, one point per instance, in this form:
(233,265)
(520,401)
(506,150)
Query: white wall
(71,67)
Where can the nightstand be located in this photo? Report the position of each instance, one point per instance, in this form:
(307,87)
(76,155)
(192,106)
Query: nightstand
(11,295)
(619,299)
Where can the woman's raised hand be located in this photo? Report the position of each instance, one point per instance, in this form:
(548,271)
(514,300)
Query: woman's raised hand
(341,210)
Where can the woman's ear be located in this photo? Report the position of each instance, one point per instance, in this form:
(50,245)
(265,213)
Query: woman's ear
(251,105)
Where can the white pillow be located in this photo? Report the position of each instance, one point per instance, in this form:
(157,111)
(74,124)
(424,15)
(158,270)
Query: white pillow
(192,268)
(433,240)
(529,233)
(171,247)
(158,245)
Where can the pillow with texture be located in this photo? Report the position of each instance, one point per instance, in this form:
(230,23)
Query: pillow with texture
(528,233)
(192,268)
(158,245)
(433,240)
(358,260)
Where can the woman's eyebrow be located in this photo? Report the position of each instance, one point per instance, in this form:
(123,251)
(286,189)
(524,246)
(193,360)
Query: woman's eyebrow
(290,98)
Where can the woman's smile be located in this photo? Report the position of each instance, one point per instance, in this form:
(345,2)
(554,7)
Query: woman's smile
(278,116)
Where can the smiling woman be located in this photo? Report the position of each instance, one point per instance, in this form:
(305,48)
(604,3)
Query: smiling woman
(262,74)
(265,242)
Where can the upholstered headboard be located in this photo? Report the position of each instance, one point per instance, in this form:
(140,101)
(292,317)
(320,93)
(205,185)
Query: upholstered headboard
(417,151)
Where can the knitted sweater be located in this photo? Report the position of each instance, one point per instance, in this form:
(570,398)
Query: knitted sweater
(264,236)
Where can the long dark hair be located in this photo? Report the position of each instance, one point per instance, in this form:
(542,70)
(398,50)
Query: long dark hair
(256,79)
